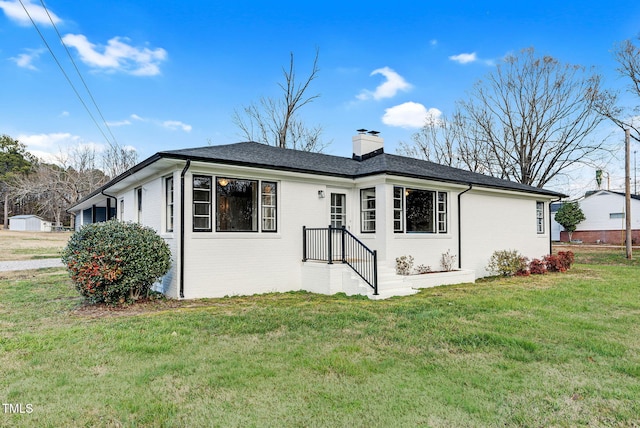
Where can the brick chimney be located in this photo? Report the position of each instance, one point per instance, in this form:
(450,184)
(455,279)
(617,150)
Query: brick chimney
(367,144)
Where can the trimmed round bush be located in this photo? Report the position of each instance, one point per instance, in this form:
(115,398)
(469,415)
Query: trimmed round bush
(115,262)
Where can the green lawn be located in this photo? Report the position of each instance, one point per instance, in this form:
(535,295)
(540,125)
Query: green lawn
(553,350)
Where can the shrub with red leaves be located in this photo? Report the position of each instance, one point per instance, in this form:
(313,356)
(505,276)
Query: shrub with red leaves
(554,264)
(537,267)
(566,258)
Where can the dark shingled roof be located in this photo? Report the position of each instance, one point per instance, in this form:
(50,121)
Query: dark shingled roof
(270,157)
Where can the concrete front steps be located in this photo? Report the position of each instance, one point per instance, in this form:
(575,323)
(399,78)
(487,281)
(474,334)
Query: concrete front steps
(391,285)
(334,278)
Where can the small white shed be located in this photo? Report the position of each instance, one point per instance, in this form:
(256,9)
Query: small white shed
(29,223)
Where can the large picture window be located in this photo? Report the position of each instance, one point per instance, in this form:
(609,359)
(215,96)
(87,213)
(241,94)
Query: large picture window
(237,205)
(368,210)
(201,203)
(419,211)
(240,205)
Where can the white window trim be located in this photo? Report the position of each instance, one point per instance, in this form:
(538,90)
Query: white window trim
(540,228)
(365,210)
(441,227)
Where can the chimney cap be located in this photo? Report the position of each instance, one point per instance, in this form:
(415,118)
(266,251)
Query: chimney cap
(361,131)
(374,133)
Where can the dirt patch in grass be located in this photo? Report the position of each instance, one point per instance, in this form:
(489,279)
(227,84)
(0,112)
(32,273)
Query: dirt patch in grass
(31,245)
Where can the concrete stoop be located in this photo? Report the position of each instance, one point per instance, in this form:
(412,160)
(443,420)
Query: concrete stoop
(337,278)
(390,285)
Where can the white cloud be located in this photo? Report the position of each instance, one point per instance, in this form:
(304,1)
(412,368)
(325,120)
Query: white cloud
(55,147)
(118,55)
(389,88)
(48,141)
(168,124)
(410,115)
(464,58)
(25,60)
(176,124)
(119,123)
(15,12)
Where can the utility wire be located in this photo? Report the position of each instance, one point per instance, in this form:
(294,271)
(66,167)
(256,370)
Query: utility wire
(80,75)
(64,73)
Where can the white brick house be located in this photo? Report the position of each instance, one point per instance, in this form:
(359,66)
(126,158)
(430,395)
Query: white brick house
(234,214)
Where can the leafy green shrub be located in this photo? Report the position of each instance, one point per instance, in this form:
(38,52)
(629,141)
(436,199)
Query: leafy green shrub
(508,263)
(115,262)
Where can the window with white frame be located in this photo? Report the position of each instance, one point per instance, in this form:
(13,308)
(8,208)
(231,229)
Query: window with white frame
(398,209)
(419,211)
(240,204)
(442,212)
(169,203)
(540,217)
(201,203)
(338,210)
(368,210)
(269,206)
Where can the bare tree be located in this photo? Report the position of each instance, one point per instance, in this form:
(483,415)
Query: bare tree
(275,121)
(444,141)
(117,159)
(527,121)
(52,188)
(628,57)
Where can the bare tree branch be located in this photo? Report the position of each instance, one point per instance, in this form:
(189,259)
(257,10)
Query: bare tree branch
(527,121)
(274,121)
(628,57)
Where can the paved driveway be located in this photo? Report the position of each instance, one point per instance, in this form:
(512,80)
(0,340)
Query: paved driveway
(30,264)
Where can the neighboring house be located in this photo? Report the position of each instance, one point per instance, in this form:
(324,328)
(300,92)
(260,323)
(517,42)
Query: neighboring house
(556,228)
(31,223)
(234,217)
(605,219)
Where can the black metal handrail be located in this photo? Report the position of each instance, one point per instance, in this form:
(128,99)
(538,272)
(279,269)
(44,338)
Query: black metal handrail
(329,244)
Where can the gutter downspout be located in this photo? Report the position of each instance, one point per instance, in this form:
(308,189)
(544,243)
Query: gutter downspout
(460,226)
(550,237)
(116,207)
(182,174)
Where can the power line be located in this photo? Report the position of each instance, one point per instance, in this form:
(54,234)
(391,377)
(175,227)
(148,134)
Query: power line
(65,74)
(79,74)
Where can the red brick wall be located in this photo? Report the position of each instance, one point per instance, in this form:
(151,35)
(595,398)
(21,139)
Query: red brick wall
(612,237)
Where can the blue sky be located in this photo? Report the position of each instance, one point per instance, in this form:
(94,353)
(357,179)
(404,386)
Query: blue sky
(169,75)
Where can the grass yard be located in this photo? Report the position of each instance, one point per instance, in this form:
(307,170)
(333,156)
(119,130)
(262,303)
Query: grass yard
(553,350)
(31,245)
